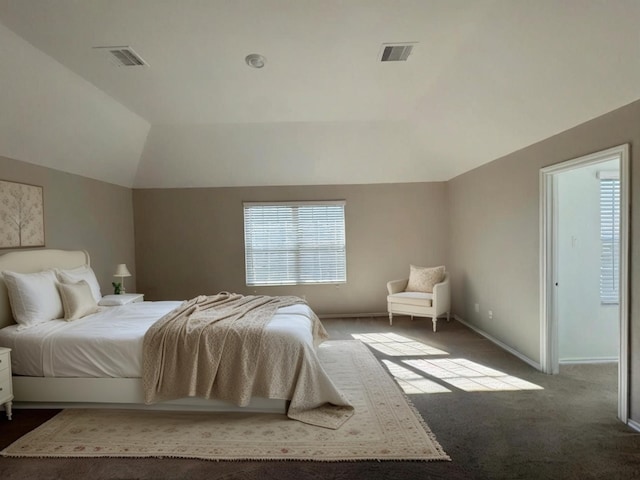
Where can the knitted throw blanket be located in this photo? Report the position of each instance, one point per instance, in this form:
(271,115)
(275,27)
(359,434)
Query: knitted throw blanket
(218,347)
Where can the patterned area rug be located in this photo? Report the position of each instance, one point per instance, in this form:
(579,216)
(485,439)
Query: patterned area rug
(384,427)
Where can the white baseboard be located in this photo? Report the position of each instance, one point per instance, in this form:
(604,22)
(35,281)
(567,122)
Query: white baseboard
(353,315)
(502,345)
(633,424)
(577,361)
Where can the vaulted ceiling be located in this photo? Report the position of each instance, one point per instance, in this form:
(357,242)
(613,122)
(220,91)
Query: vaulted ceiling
(485,78)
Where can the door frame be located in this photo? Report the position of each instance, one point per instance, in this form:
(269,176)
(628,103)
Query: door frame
(549,266)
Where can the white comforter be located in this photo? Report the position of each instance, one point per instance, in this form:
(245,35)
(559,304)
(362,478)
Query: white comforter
(109,343)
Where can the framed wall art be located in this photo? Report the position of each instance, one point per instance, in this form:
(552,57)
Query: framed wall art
(21,215)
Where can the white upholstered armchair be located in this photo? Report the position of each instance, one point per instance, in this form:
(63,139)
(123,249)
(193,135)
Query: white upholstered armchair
(419,304)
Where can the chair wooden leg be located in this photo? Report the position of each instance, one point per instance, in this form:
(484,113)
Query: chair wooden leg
(435,320)
(390,318)
(448,316)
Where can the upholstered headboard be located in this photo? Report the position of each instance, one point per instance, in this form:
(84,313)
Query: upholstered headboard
(30,261)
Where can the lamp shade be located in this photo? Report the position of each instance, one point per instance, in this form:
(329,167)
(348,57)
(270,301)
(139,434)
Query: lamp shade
(122,271)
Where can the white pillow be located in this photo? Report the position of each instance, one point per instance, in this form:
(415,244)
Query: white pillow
(423,279)
(34,297)
(77,300)
(74,275)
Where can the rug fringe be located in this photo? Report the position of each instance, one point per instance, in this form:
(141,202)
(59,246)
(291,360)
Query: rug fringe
(239,459)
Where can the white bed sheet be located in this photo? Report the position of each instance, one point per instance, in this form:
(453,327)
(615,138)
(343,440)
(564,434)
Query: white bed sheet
(109,342)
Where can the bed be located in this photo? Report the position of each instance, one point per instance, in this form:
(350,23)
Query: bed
(96,361)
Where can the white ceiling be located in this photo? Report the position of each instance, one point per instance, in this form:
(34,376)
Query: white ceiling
(486,78)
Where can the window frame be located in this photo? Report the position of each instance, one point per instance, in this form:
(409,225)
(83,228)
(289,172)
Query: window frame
(609,202)
(299,260)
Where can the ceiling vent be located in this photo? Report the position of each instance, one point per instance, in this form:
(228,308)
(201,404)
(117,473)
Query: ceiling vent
(122,56)
(395,52)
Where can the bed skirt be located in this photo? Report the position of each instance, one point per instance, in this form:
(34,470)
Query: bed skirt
(52,392)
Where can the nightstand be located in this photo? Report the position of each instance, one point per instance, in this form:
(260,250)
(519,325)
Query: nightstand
(122,299)
(133,297)
(6,387)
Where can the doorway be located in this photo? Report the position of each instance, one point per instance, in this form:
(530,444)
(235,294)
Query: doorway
(553,347)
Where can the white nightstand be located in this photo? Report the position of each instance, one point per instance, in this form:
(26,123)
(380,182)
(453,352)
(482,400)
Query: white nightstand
(6,387)
(123,299)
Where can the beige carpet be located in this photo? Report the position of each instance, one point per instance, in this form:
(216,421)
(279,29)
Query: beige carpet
(384,426)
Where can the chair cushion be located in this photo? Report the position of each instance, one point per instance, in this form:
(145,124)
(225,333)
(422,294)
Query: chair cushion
(419,299)
(423,279)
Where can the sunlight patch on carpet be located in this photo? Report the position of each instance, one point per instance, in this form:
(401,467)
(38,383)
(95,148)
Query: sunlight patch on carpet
(470,376)
(396,345)
(412,382)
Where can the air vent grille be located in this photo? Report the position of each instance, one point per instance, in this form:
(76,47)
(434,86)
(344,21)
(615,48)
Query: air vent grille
(398,52)
(122,56)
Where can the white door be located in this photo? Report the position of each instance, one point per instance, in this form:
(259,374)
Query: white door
(551,268)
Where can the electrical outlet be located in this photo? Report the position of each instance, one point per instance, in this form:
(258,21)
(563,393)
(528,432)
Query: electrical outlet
(490,314)
(477,307)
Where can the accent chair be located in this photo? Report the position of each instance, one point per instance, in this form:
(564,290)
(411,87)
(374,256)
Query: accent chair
(419,304)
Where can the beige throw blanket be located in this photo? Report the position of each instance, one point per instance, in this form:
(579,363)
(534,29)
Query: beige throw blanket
(218,347)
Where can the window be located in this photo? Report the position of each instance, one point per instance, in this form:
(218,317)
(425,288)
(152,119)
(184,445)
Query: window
(293,243)
(610,237)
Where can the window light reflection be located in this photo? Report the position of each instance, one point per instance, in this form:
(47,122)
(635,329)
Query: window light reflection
(412,382)
(396,345)
(470,376)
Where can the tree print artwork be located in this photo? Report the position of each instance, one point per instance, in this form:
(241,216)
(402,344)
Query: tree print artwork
(21,215)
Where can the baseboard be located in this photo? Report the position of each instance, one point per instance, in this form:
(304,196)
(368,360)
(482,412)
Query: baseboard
(353,315)
(577,361)
(633,424)
(502,345)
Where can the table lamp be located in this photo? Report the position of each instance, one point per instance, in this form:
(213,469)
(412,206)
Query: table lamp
(122,271)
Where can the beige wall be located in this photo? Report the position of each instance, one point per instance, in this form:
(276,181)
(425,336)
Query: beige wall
(494,228)
(190,241)
(82,214)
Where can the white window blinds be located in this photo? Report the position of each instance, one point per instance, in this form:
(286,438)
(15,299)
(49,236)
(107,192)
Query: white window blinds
(289,243)
(610,237)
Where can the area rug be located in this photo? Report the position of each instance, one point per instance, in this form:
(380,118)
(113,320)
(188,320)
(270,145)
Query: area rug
(384,427)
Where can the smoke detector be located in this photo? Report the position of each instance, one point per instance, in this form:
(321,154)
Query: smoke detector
(396,52)
(122,56)
(255,60)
